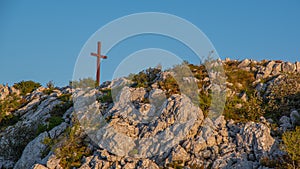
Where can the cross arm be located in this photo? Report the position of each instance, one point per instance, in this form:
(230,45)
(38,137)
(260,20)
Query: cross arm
(95,54)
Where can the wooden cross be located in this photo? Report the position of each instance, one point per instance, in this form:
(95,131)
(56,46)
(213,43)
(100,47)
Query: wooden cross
(99,57)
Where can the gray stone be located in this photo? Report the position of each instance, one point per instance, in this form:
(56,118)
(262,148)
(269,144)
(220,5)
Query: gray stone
(257,136)
(179,154)
(199,144)
(298,66)
(244,63)
(244,97)
(4,92)
(220,122)
(120,82)
(38,166)
(219,163)
(268,69)
(284,120)
(244,164)
(4,163)
(32,152)
(206,153)
(147,164)
(56,131)
(53,162)
(137,94)
(288,67)
(295,117)
(277,68)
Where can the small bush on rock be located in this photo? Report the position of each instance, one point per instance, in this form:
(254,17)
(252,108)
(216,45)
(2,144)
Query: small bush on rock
(73,148)
(26,86)
(291,140)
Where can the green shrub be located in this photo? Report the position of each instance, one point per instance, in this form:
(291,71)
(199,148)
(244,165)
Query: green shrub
(49,143)
(239,76)
(83,83)
(56,117)
(52,122)
(12,147)
(8,120)
(205,102)
(283,97)
(26,86)
(271,163)
(106,97)
(145,78)
(48,91)
(73,148)
(60,109)
(9,104)
(50,85)
(251,110)
(41,128)
(65,97)
(169,84)
(291,140)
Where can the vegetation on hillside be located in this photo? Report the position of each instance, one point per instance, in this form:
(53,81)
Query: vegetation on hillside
(83,83)
(72,147)
(291,140)
(26,86)
(243,103)
(8,105)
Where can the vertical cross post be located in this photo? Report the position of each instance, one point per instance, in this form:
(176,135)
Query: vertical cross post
(99,57)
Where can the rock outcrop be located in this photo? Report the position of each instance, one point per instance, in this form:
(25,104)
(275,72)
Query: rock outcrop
(126,126)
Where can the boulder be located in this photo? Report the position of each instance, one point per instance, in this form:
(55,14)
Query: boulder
(119,82)
(33,152)
(137,94)
(244,63)
(53,162)
(285,123)
(268,69)
(178,154)
(56,131)
(295,117)
(288,67)
(38,166)
(4,163)
(147,164)
(298,66)
(257,137)
(277,68)
(4,92)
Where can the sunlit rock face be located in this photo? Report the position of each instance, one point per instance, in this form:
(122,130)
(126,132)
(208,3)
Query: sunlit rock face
(122,125)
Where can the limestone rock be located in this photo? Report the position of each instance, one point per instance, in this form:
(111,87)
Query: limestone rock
(38,166)
(53,162)
(147,164)
(6,163)
(32,152)
(298,66)
(179,154)
(285,123)
(244,63)
(257,137)
(295,117)
(119,82)
(4,92)
(56,131)
(277,68)
(268,69)
(288,67)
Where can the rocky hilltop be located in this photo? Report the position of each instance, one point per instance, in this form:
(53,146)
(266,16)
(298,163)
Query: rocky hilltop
(158,119)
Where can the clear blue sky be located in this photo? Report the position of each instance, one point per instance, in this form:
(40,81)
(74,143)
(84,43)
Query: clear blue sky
(40,40)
